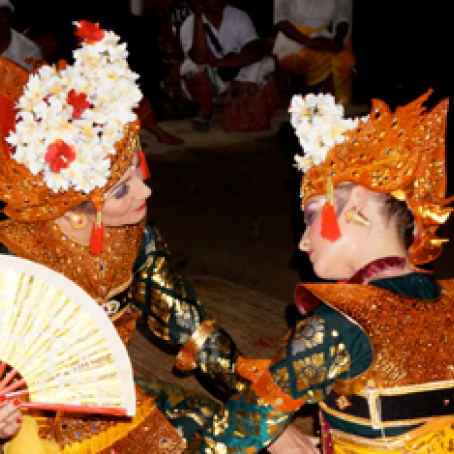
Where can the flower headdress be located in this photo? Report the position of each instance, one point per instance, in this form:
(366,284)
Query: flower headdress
(68,132)
(400,153)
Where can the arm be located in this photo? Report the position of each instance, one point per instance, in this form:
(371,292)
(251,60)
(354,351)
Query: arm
(321,44)
(290,31)
(172,311)
(311,359)
(199,52)
(251,53)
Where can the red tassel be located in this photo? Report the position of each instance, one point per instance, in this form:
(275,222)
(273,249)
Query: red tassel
(144,166)
(330,229)
(97,239)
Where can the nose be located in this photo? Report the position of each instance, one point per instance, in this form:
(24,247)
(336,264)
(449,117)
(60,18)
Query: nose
(304,241)
(143,191)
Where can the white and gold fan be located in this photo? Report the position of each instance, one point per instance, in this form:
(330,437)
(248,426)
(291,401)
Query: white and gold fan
(58,346)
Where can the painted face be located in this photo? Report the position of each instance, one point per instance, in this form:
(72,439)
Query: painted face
(126,202)
(330,260)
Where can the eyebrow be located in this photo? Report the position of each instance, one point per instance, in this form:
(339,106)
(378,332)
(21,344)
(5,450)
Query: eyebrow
(120,183)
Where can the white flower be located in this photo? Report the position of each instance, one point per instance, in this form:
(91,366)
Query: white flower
(319,125)
(100,71)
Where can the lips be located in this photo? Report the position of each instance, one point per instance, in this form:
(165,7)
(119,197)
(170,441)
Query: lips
(142,207)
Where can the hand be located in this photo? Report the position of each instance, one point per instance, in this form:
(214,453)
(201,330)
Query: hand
(198,6)
(213,61)
(10,417)
(324,45)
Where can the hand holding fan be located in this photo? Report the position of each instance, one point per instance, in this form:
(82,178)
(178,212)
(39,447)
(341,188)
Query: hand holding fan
(59,344)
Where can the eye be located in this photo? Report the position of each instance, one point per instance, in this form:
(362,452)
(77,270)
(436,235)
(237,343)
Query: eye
(309,216)
(121,191)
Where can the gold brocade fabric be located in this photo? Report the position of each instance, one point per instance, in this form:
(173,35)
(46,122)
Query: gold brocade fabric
(412,339)
(102,276)
(147,432)
(433,438)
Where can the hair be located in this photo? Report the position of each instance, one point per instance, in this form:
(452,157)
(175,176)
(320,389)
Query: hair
(85,207)
(393,211)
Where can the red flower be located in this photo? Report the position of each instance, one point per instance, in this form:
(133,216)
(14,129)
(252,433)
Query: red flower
(79,102)
(89,31)
(59,155)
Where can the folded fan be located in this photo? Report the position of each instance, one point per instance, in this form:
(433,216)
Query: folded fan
(59,344)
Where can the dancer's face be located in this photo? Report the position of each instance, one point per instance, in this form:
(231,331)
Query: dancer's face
(126,202)
(330,260)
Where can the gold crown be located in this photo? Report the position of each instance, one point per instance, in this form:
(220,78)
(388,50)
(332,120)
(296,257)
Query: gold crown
(400,153)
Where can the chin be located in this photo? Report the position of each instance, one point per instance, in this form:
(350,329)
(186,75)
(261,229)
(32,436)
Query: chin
(329,274)
(131,219)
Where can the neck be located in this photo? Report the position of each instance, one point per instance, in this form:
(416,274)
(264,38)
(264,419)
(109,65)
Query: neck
(390,266)
(383,245)
(214,18)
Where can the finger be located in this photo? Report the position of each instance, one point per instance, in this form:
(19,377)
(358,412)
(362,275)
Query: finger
(8,409)
(11,427)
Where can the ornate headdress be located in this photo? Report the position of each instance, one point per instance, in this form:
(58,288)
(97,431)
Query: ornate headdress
(68,133)
(400,153)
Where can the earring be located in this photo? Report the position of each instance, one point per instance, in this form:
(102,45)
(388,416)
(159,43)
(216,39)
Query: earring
(78,221)
(357,218)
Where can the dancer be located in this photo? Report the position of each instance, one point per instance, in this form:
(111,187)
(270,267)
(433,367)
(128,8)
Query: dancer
(76,202)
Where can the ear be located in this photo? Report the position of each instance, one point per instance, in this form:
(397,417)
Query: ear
(359,197)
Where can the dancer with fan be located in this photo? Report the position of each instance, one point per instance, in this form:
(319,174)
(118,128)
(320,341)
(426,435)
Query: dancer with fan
(76,200)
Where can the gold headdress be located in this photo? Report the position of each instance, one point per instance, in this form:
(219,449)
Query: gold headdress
(400,153)
(68,133)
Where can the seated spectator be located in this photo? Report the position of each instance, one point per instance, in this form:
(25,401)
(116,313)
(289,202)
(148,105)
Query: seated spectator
(224,56)
(142,36)
(13,45)
(314,41)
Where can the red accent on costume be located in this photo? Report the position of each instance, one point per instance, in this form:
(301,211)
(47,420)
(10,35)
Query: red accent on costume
(7,123)
(263,384)
(59,155)
(330,227)
(97,239)
(89,31)
(79,101)
(144,165)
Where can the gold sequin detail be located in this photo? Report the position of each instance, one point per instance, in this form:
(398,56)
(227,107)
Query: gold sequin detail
(412,339)
(100,276)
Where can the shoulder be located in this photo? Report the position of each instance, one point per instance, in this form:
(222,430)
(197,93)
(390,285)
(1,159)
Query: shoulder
(236,14)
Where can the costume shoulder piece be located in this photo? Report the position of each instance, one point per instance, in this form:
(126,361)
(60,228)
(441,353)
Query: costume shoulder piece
(102,276)
(412,338)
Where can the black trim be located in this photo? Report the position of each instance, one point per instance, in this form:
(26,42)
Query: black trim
(418,405)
